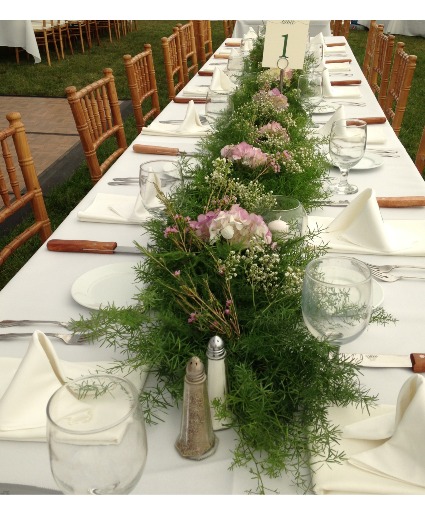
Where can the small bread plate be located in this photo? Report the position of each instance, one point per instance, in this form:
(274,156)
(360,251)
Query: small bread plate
(368,162)
(324,108)
(106,285)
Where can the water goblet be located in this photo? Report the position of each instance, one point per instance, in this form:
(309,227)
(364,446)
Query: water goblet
(235,65)
(315,51)
(337,298)
(310,87)
(347,145)
(217,101)
(287,219)
(96,436)
(159,173)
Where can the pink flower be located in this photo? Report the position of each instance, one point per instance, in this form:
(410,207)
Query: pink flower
(244,153)
(192,318)
(202,225)
(177,273)
(274,128)
(169,230)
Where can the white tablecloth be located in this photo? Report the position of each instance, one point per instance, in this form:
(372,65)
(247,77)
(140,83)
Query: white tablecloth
(19,34)
(402,27)
(41,290)
(316,26)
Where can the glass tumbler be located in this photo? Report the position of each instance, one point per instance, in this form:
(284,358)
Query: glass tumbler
(96,436)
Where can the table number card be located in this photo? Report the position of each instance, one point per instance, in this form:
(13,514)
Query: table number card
(285,43)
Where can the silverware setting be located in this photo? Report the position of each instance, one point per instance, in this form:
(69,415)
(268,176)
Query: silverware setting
(346,103)
(23,323)
(388,268)
(69,339)
(384,152)
(123,181)
(202,118)
(342,74)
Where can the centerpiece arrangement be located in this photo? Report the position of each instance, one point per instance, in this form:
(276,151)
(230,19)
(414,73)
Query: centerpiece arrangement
(213,267)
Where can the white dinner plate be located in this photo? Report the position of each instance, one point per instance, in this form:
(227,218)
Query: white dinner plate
(368,162)
(108,284)
(377,294)
(325,108)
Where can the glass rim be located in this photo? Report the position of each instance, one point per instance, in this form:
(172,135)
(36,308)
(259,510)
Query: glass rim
(172,161)
(132,408)
(358,262)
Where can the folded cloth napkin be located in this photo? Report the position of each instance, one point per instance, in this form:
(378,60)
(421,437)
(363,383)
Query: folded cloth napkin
(385,450)
(329,50)
(360,229)
(325,130)
(190,127)
(318,39)
(375,135)
(118,209)
(27,384)
(330,91)
(338,67)
(250,34)
(219,82)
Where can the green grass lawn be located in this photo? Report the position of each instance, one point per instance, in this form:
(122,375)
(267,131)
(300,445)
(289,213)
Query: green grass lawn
(80,69)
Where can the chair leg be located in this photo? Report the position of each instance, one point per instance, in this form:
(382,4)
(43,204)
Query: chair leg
(17,55)
(46,45)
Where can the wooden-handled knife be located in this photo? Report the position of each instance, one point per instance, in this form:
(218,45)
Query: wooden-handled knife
(415,361)
(186,100)
(414,201)
(89,246)
(160,151)
(330,61)
(349,82)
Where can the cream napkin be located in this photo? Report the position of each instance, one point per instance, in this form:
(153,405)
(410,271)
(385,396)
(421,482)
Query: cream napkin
(118,209)
(219,82)
(330,91)
(325,130)
(385,450)
(375,135)
(318,39)
(338,67)
(360,229)
(250,34)
(27,384)
(190,127)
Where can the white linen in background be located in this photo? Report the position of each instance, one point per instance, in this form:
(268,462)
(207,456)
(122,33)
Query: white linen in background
(27,384)
(385,450)
(359,228)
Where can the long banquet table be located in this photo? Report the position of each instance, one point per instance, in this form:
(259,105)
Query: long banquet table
(41,290)
(19,34)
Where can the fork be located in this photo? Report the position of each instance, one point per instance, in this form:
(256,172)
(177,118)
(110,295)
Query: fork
(69,339)
(388,268)
(23,323)
(390,278)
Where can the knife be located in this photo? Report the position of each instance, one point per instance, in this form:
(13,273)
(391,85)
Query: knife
(93,247)
(186,100)
(163,151)
(202,73)
(221,56)
(415,361)
(349,82)
(234,43)
(335,44)
(384,202)
(329,61)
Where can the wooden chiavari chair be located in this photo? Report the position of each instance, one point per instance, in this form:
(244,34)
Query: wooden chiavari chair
(400,81)
(171,48)
(45,35)
(19,186)
(78,29)
(420,156)
(340,28)
(188,46)
(203,37)
(97,117)
(370,48)
(228,26)
(141,80)
(62,30)
(380,74)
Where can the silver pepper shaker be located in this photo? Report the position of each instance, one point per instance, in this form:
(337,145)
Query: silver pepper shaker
(217,378)
(197,439)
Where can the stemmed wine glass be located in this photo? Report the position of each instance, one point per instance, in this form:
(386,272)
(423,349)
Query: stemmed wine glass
(216,103)
(310,87)
(96,436)
(337,298)
(347,145)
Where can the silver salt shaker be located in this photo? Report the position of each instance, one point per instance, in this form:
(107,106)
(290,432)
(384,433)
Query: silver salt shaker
(217,378)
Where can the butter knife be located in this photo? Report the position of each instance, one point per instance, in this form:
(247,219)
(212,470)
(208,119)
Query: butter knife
(413,201)
(415,361)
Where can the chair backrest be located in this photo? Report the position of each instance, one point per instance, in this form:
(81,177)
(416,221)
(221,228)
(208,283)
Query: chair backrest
(370,47)
(228,26)
(399,86)
(420,156)
(203,37)
(171,48)
(340,28)
(188,47)
(97,117)
(380,75)
(19,186)
(141,80)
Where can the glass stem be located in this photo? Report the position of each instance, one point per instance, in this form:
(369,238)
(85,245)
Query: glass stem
(343,181)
